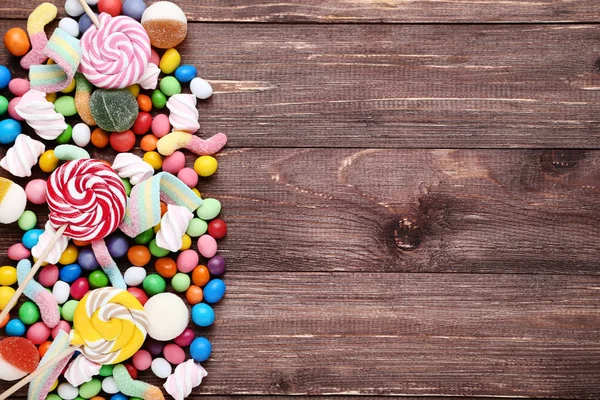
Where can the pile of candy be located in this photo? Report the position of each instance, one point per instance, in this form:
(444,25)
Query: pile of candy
(93,326)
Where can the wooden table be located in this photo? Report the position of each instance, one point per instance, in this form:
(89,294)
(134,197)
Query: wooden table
(412,190)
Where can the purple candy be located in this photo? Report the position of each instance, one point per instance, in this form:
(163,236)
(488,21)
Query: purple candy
(154,346)
(85,23)
(86,259)
(134,9)
(117,245)
(216,265)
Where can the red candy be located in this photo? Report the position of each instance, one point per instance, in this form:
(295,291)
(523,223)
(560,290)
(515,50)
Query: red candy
(48,275)
(139,294)
(132,371)
(217,228)
(20,353)
(186,338)
(112,7)
(79,288)
(142,124)
(122,141)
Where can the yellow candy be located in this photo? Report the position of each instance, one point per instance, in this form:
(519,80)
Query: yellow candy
(6,292)
(154,159)
(51,97)
(69,256)
(197,192)
(186,242)
(70,88)
(206,165)
(170,61)
(156,228)
(8,276)
(134,90)
(48,161)
(54,385)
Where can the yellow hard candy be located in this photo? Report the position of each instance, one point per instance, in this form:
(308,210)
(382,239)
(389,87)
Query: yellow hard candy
(6,292)
(8,275)
(170,61)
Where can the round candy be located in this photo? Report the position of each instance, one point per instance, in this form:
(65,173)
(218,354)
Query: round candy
(156,250)
(194,295)
(62,326)
(90,389)
(206,165)
(197,227)
(12,108)
(139,255)
(38,333)
(180,282)
(122,141)
(111,7)
(36,191)
(142,360)
(161,368)
(209,209)
(6,292)
(203,315)
(48,275)
(69,256)
(67,311)
(201,88)
(138,294)
(185,73)
(73,8)
(154,284)
(29,313)
(174,163)
(217,228)
(79,288)
(17,42)
(216,265)
(154,346)
(14,327)
(166,267)
(98,279)
(200,349)
(142,123)
(8,275)
(159,100)
(134,9)
(19,86)
(144,102)
(27,220)
(154,159)
(187,261)
(70,26)
(114,110)
(174,354)
(48,161)
(31,237)
(82,134)
(4,104)
(207,246)
(106,370)
(188,176)
(5,77)
(185,339)
(61,291)
(134,276)
(148,142)
(169,85)
(69,273)
(214,291)
(117,245)
(144,237)
(9,130)
(100,138)
(65,105)
(165,23)
(66,136)
(87,259)
(167,315)
(109,385)
(85,23)
(200,275)
(161,126)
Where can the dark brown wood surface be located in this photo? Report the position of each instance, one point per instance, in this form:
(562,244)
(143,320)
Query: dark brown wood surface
(413,209)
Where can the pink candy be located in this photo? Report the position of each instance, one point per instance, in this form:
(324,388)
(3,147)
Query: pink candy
(161,125)
(174,354)
(18,252)
(38,333)
(48,275)
(188,176)
(12,109)
(174,163)
(36,191)
(187,261)
(207,246)
(19,86)
(142,360)
(62,326)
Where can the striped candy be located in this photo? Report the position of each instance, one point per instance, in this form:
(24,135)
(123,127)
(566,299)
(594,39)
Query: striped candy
(116,54)
(88,196)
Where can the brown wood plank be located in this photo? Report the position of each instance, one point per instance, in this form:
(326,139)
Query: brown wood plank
(433,86)
(378,11)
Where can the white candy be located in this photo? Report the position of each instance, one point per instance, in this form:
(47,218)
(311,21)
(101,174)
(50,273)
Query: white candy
(13,203)
(109,385)
(73,8)
(168,316)
(61,291)
(70,26)
(134,276)
(67,391)
(161,368)
(201,88)
(82,134)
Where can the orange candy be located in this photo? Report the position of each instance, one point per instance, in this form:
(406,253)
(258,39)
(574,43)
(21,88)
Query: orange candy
(144,102)
(200,275)
(17,42)
(81,243)
(148,142)
(163,208)
(139,255)
(44,348)
(99,138)
(194,295)
(5,320)
(166,267)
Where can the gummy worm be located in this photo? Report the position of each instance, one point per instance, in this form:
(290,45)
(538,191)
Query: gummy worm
(135,388)
(40,296)
(183,140)
(38,19)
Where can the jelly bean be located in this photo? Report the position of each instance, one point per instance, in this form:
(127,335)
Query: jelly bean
(200,275)
(161,125)
(109,385)
(119,396)
(69,256)
(134,9)
(36,191)
(81,134)
(134,276)
(186,242)
(18,252)
(66,136)
(69,273)
(161,368)
(38,333)
(12,109)
(31,237)
(90,389)
(159,100)
(142,123)
(68,309)
(206,165)
(170,86)
(42,349)
(142,360)
(154,159)
(61,291)
(62,326)
(19,86)
(67,391)
(153,346)
(86,259)
(216,265)
(112,7)
(138,255)
(174,163)
(148,142)
(132,371)
(180,282)
(188,176)
(201,88)
(154,284)
(70,26)
(185,73)
(17,42)
(29,313)
(166,267)
(106,370)
(207,246)
(134,90)
(85,23)
(9,130)
(138,294)
(117,245)
(187,261)
(174,354)
(6,292)
(79,288)
(3,104)
(65,105)
(170,61)
(27,220)
(203,315)
(200,349)
(48,275)
(5,77)
(157,251)
(14,327)
(217,228)
(194,295)
(144,237)
(144,103)
(214,291)
(100,138)
(209,209)
(185,338)
(122,141)
(8,275)
(98,279)
(196,227)
(48,161)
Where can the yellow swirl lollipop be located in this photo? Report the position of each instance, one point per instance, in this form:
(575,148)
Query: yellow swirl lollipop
(110,325)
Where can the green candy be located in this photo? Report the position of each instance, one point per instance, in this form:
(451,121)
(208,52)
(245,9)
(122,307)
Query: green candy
(180,282)
(170,86)
(127,185)
(68,310)
(159,100)
(27,220)
(3,105)
(209,209)
(144,237)
(98,279)
(114,110)
(154,284)
(106,370)
(29,313)
(157,251)
(65,137)
(90,389)
(196,227)
(53,397)
(65,105)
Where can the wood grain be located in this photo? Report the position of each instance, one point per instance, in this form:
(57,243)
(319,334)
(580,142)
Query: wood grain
(370,11)
(432,86)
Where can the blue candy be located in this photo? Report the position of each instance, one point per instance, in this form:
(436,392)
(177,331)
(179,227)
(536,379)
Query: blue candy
(9,130)
(214,291)
(134,9)
(203,314)
(200,349)
(69,273)
(31,237)
(5,77)
(85,23)
(119,396)
(185,73)
(15,327)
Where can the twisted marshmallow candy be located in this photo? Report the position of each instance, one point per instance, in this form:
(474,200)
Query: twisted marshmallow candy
(172,227)
(40,115)
(184,114)
(22,156)
(132,167)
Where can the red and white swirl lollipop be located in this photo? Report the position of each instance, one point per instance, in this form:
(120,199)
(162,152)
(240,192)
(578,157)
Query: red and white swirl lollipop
(115,54)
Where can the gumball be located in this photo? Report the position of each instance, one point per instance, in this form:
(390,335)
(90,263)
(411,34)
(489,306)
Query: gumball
(187,261)
(161,125)
(17,42)
(194,295)
(38,333)
(203,315)
(138,255)
(216,265)
(206,165)
(217,228)
(69,273)
(138,294)
(100,138)
(117,245)
(166,267)
(188,176)
(79,288)
(174,354)
(214,291)
(142,123)
(148,142)
(122,141)
(86,259)
(48,275)
(14,327)
(154,284)
(29,313)
(9,130)
(112,7)
(142,360)
(200,275)
(200,349)
(207,246)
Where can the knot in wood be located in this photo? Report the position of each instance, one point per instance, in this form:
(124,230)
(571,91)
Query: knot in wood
(559,161)
(407,235)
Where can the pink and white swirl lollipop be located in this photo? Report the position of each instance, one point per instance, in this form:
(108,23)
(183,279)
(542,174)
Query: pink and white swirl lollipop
(116,54)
